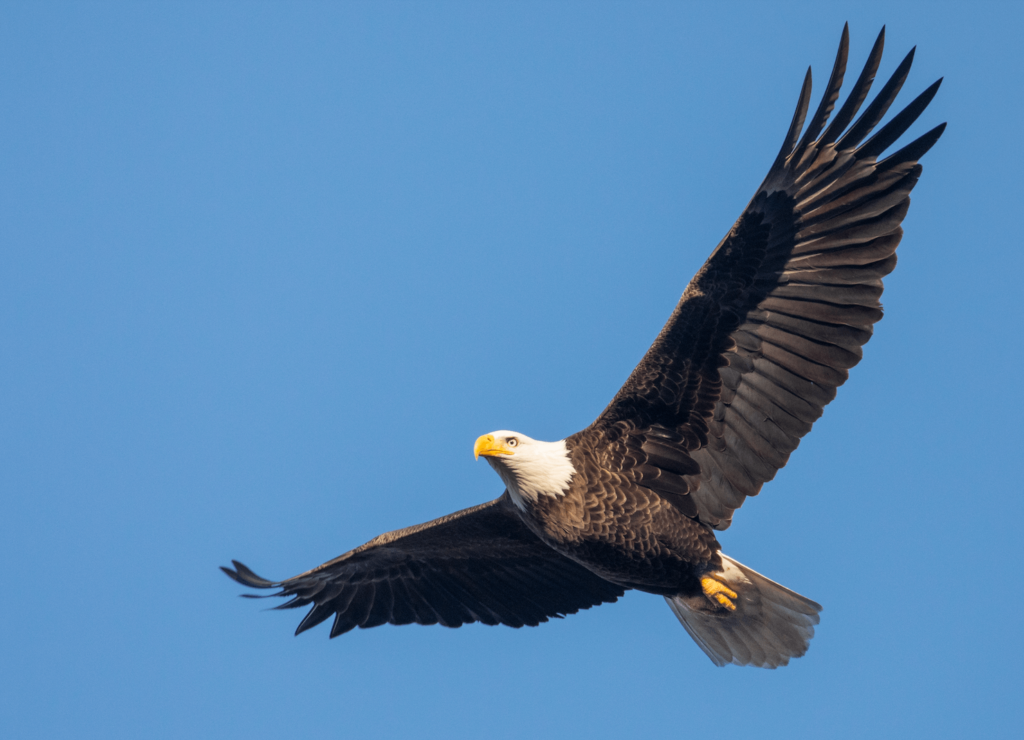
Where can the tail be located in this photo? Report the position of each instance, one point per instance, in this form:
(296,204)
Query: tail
(770,624)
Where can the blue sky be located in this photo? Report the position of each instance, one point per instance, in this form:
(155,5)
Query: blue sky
(267,270)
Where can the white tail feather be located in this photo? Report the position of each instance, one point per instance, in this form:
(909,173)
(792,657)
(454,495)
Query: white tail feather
(770,625)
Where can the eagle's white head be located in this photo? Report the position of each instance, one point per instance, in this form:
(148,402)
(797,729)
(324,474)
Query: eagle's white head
(529,467)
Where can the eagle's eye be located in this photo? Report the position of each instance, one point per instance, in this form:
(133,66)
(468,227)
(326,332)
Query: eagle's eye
(512,442)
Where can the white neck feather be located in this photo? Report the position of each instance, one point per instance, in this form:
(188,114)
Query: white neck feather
(539,469)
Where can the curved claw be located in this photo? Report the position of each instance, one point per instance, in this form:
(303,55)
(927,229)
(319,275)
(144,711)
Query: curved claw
(718,591)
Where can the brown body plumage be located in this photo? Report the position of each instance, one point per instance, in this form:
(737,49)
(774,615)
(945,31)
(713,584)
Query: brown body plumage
(760,340)
(626,533)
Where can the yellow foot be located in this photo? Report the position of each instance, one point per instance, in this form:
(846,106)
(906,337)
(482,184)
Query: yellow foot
(718,591)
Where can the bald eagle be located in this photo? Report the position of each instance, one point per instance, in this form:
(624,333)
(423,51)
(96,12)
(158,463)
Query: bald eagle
(756,347)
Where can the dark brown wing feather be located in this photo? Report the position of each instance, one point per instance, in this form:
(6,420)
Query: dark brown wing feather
(477,565)
(768,328)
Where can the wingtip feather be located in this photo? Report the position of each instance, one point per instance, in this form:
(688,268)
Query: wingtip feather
(858,93)
(831,94)
(895,128)
(913,151)
(797,124)
(242,574)
(879,106)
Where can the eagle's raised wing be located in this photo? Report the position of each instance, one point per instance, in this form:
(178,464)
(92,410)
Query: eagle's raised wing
(768,328)
(477,565)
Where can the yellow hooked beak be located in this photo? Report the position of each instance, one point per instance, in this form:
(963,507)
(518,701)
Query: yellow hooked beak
(488,446)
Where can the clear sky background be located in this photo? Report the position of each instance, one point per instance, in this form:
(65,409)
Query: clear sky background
(268,269)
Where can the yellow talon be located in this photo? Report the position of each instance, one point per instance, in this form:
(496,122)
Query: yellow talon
(719,592)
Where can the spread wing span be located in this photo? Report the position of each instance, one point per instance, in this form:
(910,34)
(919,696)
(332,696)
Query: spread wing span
(771,324)
(480,564)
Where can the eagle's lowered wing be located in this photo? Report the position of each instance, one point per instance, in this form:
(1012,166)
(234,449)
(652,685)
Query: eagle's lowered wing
(480,564)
